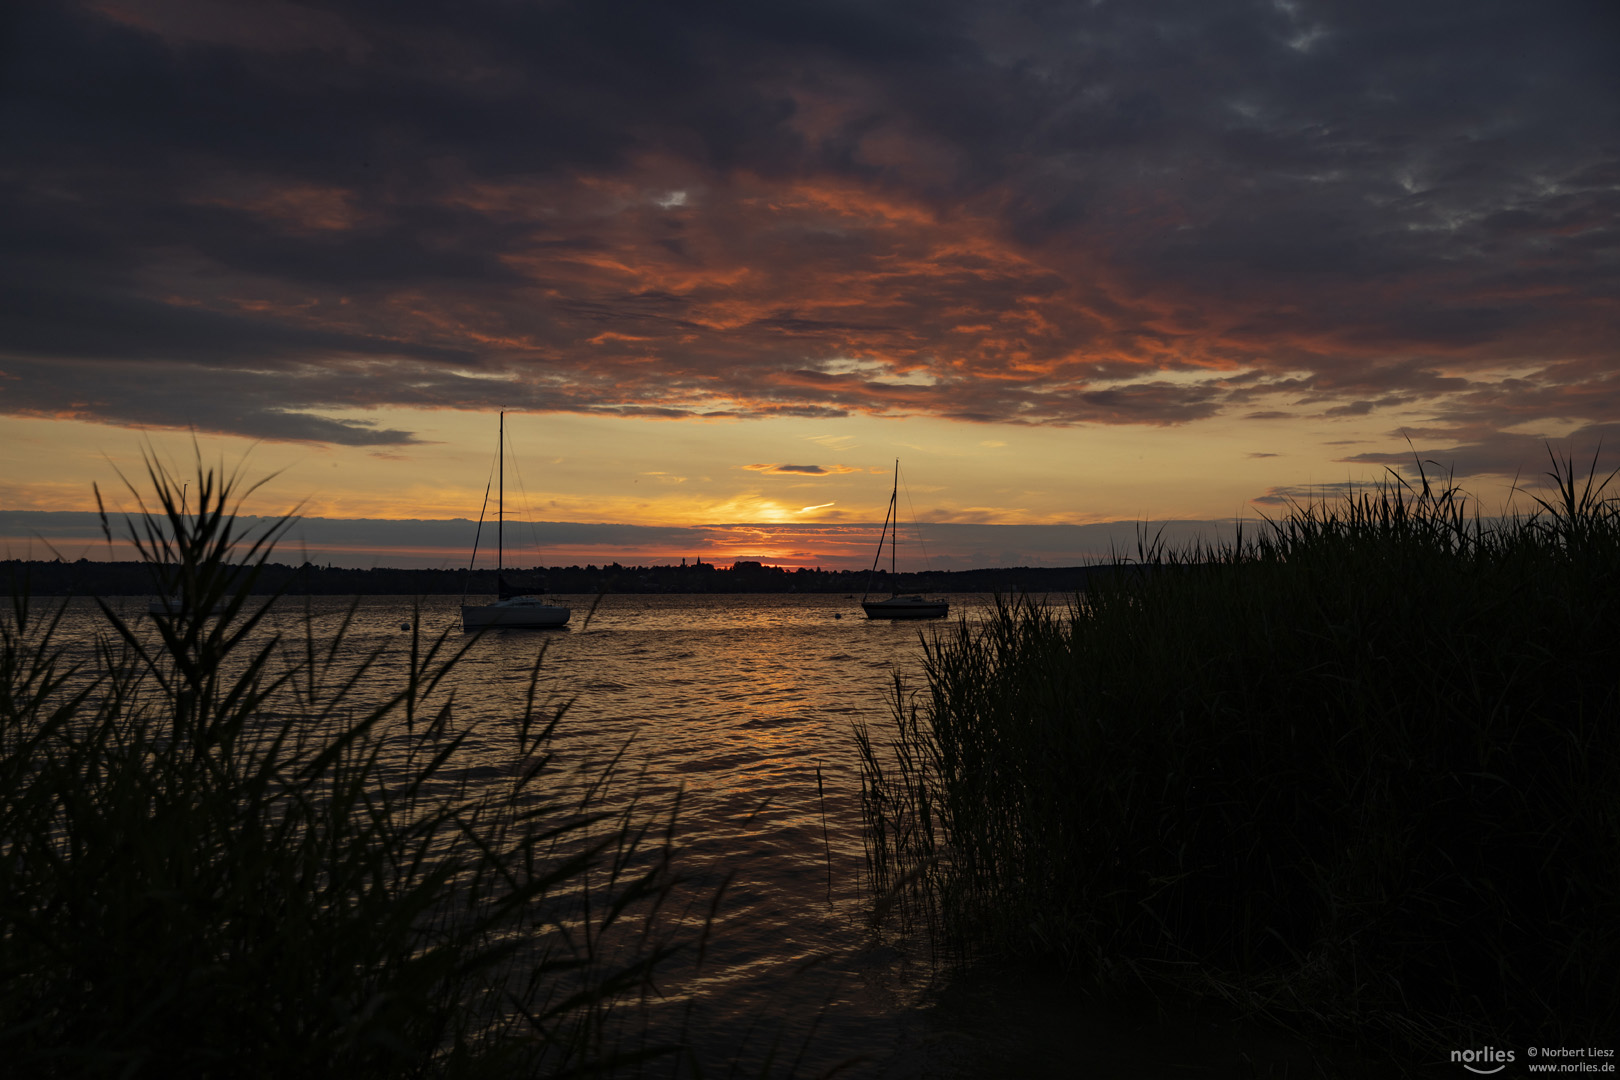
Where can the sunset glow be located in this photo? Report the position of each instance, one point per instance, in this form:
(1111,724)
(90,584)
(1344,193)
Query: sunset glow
(1079,266)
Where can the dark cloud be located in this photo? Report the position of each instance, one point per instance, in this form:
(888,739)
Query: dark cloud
(1592,448)
(1285,497)
(214,398)
(1534,462)
(236,220)
(444,543)
(808,470)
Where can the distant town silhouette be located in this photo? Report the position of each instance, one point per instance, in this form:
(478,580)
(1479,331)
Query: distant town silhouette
(87,577)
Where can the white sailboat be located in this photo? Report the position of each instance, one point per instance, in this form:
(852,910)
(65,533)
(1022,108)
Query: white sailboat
(897,606)
(512,609)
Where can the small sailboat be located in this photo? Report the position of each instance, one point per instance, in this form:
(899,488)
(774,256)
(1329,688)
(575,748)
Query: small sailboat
(513,609)
(897,606)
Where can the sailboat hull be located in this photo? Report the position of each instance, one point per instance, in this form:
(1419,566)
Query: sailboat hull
(509,611)
(517,614)
(905,607)
(897,606)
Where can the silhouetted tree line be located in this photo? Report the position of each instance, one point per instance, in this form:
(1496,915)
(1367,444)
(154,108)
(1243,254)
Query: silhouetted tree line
(88,578)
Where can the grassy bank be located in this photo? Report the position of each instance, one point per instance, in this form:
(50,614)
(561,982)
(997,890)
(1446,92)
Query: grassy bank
(220,856)
(1361,769)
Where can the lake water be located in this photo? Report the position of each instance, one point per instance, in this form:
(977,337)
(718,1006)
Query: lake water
(744,705)
(740,702)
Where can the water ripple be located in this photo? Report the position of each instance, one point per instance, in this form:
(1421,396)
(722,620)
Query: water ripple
(745,704)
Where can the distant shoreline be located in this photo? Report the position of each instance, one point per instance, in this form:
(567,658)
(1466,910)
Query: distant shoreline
(92,578)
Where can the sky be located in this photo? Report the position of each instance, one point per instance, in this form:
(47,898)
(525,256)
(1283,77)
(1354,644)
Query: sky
(1076,265)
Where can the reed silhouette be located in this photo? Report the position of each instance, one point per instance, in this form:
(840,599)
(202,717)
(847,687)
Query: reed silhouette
(223,855)
(1359,770)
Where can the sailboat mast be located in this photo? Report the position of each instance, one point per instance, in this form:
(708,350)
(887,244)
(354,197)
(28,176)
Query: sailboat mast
(888,521)
(500,508)
(894,537)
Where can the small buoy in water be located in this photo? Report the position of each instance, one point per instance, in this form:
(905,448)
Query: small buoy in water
(404,626)
(838,614)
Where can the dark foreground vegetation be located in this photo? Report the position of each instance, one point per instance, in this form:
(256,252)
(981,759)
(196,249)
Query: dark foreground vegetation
(221,856)
(1360,772)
